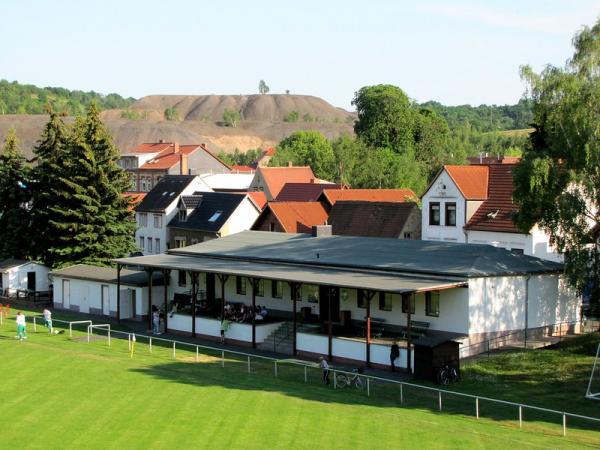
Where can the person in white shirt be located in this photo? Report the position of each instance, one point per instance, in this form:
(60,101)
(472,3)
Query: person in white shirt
(48,319)
(21,324)
(156,322)
(325,366)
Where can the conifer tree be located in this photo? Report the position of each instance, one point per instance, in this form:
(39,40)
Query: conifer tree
(15,195)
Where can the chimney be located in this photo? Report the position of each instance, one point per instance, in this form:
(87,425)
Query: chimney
(175,147)
(290,164)
(322,230)
(183,164)
(203,146)
(312,181)
(161,141)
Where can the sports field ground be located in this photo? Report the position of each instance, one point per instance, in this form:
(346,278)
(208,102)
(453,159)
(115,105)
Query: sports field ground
(67,393)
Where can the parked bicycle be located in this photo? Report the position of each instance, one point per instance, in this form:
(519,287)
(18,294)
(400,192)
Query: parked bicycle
(447,374)
(355,380)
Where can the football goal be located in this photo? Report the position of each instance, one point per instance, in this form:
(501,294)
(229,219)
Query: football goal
(101,326)
(593,390)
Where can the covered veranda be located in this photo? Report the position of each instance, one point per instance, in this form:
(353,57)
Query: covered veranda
(329,280)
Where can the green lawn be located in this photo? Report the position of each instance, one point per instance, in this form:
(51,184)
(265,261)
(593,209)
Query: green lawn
(61,393)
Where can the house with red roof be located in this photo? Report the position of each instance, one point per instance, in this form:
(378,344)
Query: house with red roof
(303,192)
(271,180)
(291,217)
(329,197)
(150,162)
(473,204)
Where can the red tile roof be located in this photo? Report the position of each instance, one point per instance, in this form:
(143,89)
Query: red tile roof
(134,198)
(151,147)
(472,181)
(259,198)
(276,177)
(298,217)
(495,214)
(168,158)
(474,160)
(242,169)
(303,192)
(369,195)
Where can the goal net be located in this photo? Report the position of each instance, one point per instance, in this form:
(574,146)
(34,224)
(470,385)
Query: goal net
(593,390)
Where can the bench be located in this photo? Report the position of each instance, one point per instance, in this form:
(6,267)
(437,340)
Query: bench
(417,328)
(376,327)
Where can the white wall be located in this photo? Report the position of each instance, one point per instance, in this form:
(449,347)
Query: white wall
(451,194)
(16,278)
(242,218)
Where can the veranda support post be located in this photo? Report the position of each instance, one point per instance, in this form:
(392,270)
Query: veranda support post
(253,282)
(150,272)
(329,327)
(194,278)
(368,296)
(294,294)
(222,279)
(118,293)
(166,276)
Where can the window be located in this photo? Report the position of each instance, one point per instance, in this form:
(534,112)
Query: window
(215,216)
(179,242)
(517,251)
(344,294)
(408,299)
(385,301)
(182,278)
(149,245)
(182,215)
(143,185)
(260,288)
(240,285)
(276,289)
(406,235)
(432,303)
(434,213)
(157,220)
(142,219)
(361,299)
(312,293)
(450,214)
(157,245)
(142,243)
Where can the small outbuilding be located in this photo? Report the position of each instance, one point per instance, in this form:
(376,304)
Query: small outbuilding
(93,290)
(433,353)
(22,276)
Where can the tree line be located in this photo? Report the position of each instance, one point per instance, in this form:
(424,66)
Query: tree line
(16,98)
(69,208)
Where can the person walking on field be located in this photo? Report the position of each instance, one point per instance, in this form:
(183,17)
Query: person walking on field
(325,366)
(48,319)
(21,324)
(394,354)
(224,327)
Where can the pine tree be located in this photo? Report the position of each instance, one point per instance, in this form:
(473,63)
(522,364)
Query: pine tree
(15,194)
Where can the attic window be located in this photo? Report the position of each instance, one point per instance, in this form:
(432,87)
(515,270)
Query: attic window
(183,214)
(215,216)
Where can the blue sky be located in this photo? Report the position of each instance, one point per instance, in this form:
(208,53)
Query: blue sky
(453,52)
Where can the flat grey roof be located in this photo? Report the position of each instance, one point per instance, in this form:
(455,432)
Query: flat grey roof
(135,278)
(378,281)
(386,254)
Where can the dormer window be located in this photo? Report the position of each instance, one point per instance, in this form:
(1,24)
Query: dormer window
(183,215)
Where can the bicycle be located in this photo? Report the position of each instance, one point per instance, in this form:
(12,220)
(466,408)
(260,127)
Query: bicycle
(447,374)
(355,380)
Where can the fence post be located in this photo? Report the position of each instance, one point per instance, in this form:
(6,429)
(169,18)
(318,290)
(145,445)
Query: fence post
(275,368)
(109,337)
(128,341)
(401,395)
(197,355)
(564,424)
(520,416)
(89,332)
(174,355)
(334,380)
(223,358)
(440,399)
(305,375)
(70,330)
(248,363)
(368,387)
(34,325)
(477,407)
(150,344)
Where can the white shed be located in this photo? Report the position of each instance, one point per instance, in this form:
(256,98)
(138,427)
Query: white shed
(93,290)
(22,275)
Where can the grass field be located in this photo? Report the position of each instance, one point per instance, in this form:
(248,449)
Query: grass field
(61,393)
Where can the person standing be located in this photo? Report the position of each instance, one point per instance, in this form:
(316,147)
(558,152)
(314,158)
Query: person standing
(156,322)
(21,324)
(224,327)
(324,365)
(394,354)
(48,319)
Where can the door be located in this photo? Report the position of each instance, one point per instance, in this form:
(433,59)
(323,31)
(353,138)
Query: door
(66,294)
(31,281)
(210,288)
(84,306)
(133,297)
(105,300)
(327,295)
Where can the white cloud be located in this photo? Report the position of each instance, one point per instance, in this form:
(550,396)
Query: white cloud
(536,21)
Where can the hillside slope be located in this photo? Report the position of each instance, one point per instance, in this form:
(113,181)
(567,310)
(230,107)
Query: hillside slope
(262,122)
